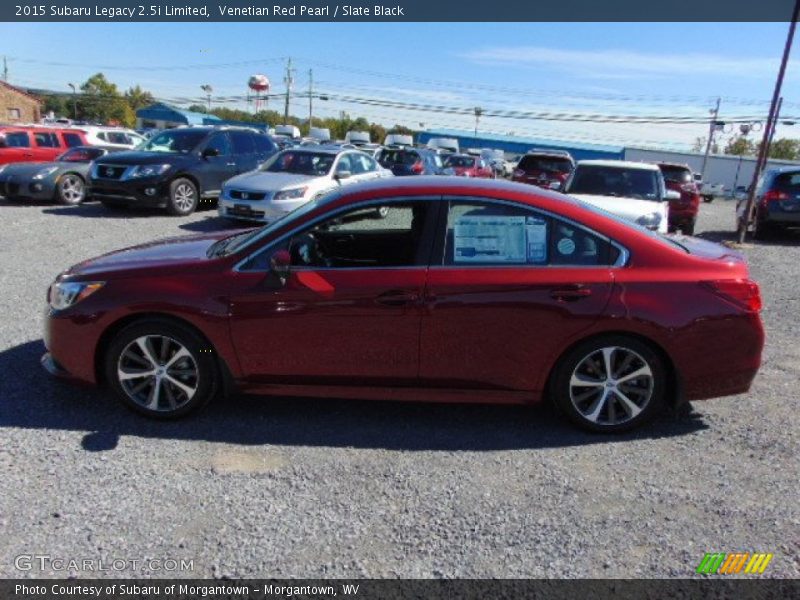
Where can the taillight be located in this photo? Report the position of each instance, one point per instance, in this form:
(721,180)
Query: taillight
(417,167)
(743,292)
(773,195)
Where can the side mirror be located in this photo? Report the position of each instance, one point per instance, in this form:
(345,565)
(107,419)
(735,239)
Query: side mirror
(672,195)
(342,175)
(280,263)
(209,152)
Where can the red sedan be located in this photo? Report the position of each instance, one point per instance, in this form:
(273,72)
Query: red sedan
(468,291)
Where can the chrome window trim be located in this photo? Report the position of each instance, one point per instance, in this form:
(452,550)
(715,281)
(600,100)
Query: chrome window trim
(378,203)
(622,258)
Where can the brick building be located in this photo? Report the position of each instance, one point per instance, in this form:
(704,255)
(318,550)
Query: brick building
(17,106)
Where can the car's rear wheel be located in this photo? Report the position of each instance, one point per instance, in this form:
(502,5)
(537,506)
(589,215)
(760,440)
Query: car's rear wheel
(70,189)
(610,384)
(708,198)
(161,369)
(183,197)
(764,230)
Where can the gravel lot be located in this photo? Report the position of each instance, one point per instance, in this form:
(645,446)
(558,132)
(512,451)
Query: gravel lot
(304,488)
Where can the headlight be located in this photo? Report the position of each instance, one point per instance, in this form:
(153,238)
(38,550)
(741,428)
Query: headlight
(63,294)
(148,170)
(650,221)
(290,193)
(45,172)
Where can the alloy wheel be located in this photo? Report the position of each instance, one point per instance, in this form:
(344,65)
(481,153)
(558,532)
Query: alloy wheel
(611,385)
(158,373)
(72,189)
(184,196)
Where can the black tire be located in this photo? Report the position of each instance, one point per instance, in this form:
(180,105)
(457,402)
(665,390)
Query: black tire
(708,199)
(688,229)
(197,370)
(763,230)
(646,392)
(183,197)
(70,189)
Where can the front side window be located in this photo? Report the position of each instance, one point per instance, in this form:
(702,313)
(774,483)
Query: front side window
(46,140)
(487,234)
(175,141)
(81,155)
(242,142)
(220,143)
(344,164)
(362,164)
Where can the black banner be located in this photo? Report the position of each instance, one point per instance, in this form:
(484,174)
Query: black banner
(674,589)
(282,11)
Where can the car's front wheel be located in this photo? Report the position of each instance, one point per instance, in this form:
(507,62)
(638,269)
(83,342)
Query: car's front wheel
(161,369)
(183,197)
(610,384)
(70,189)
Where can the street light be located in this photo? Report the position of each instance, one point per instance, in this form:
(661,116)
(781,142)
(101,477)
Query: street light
(207,89)
(74,102)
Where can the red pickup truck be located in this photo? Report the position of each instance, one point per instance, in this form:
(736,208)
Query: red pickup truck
(37,144)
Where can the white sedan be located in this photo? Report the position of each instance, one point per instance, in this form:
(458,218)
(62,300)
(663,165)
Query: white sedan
(631,190)
(293,177)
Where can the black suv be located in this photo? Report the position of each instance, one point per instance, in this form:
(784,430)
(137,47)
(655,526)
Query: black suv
(405,160)
(178,169)
(777,202)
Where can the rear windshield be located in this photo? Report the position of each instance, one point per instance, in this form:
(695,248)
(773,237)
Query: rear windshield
(545,163)
(788,181)
(398,157)
(676,174)
(616,181)
(459,161)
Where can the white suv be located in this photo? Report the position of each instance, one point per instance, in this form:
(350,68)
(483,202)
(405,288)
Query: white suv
(112,138)
(631,190)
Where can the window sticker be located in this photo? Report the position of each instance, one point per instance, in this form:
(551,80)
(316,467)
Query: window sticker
(565,246)
(484,239)
(536,230)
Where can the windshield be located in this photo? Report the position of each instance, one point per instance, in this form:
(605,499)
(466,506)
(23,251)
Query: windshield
(459,161)
(234,243)
(545,163)
(623,182)
(80,155)
(174,141)
(676,174)
(315,164)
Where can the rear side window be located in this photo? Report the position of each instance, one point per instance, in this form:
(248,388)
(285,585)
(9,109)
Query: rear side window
(677,174)
(544,163)
(46,139)
(72,140)
(490,234)
(242,142)
(18,139)
(788,181)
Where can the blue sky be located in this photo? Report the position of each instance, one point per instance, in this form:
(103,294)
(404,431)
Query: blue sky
(607,68)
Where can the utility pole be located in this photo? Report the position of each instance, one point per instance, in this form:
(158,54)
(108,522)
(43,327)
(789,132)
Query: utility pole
(478,113)
(744,222)
(288,80)
(772,131)
(5,69)
(310,97)
(711,128)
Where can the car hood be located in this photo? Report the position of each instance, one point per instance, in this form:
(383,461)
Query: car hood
(144,158)
(629,208)
(263,181)
(27,169)
(180,251)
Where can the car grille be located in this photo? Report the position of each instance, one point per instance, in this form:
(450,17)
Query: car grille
(109,171)
(242,195)
(249,213)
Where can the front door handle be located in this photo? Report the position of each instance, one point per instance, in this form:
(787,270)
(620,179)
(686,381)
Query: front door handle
(230,164)
(570,293)
(397,298)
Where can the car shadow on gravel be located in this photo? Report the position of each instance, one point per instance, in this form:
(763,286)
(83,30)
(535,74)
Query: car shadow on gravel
(95,210)
(31,399)
(212,224)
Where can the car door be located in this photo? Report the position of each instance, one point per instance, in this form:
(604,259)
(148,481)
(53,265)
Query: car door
(244,151)
(508,288)
(217,166)
(348,312)
(46,146)
(16,147)
(343,170)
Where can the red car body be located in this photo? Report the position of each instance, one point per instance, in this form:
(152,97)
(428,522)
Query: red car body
(432,332)
(549,170)
(37,144)
(683,211)
(466,165)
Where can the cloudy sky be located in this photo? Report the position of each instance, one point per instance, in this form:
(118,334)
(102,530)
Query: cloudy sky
(428,73)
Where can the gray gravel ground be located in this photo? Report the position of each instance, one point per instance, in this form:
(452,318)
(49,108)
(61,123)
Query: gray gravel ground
(304,488)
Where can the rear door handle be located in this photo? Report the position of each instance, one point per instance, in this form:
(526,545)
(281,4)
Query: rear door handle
(397,298)
(570,293)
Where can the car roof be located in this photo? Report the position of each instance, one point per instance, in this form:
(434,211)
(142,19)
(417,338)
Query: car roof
(622,164)
(673,164)
(321,149)
(778,170)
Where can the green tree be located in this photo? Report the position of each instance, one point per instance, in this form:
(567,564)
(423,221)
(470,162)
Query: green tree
(740,146)
(785,149)
(102,102)
(138,98)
